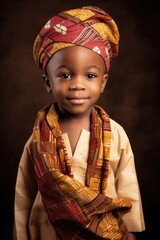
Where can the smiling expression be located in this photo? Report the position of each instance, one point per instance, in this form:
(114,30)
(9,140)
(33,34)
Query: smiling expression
(76,76)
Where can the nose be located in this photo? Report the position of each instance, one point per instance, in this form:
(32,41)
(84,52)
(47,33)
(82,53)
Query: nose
(77,84)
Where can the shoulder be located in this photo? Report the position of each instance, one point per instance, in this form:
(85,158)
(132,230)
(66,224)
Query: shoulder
(26,154)
(28,143)
(115,125)
(116,128)
(119,135)
(121,149)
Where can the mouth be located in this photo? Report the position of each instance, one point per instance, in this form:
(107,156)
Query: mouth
(78,101)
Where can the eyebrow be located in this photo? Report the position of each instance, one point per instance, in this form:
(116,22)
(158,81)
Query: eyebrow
(62,66)
(88,67)
(94,66)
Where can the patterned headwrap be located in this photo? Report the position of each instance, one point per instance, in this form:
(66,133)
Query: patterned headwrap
(88,27)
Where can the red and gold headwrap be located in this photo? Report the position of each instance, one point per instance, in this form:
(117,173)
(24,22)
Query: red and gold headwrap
(88,27)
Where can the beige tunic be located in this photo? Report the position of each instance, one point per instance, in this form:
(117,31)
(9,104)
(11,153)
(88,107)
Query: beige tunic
(31,222)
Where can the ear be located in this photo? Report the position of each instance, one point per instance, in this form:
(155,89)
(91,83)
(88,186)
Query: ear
(104,81)
(47,83)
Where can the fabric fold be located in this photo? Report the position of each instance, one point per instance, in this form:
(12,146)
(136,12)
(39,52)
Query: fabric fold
(66,200)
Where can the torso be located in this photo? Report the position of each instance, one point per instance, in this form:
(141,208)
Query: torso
(73,128)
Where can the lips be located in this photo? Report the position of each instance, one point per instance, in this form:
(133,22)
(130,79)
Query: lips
(77,100)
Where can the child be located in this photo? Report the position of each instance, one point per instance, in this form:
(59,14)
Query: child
(77,178)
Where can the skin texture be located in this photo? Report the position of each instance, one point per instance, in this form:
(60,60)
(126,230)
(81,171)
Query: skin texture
(76,76)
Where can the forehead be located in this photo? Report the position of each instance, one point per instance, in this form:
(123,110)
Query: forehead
(76,56)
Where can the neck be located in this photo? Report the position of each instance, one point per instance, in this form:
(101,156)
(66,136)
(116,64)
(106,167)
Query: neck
(75,123)
(77,118)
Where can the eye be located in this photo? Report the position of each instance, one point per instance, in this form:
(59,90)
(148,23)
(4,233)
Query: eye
(91,75)
(64,75)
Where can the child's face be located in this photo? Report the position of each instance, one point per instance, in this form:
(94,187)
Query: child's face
(76,76)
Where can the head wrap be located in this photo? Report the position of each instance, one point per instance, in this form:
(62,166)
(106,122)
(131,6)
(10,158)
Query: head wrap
(88,27)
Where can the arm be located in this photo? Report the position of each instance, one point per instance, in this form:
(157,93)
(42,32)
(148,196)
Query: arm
(127,185)
(31,220)
(123,178)
(25,192)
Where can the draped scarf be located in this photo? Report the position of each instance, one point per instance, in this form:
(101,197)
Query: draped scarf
(77,211)
(88,27)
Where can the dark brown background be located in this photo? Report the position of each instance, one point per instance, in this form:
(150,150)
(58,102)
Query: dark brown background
(131,96)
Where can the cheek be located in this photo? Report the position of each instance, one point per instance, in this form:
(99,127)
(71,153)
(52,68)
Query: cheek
(55,85)
(100,87)
(59,89)
(96,88)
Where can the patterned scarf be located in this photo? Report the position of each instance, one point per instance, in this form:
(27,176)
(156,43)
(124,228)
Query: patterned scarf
(76,211)
(88,27)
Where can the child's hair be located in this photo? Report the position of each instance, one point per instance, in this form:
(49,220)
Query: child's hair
(88,27)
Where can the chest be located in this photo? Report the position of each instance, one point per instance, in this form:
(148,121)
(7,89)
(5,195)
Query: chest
(74,133)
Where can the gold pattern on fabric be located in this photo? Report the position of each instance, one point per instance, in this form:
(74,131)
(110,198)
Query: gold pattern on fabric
(106,31)
(58,46)
(64,197)
(37,49)
(81,14)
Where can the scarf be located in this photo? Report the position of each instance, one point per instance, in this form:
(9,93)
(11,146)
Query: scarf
(88,27)
(76,211)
